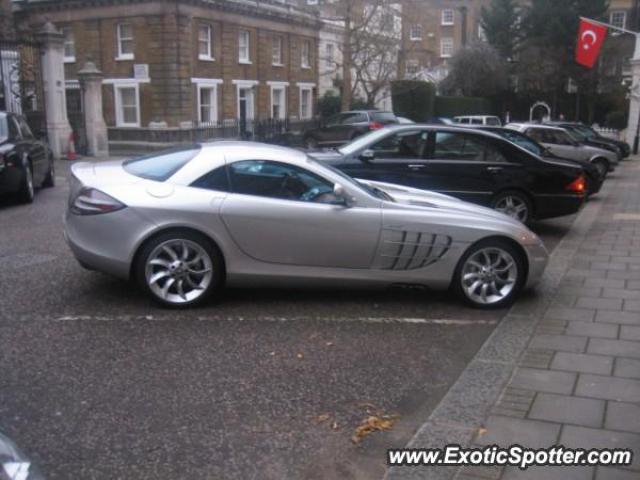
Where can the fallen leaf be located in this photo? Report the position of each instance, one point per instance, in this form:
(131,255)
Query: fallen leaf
(334,425)
(482,431)
(372,424)
(273,354)
(329,344)
(323,418)
(300,356)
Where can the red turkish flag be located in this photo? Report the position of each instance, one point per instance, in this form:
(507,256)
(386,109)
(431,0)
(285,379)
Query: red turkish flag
(590,39)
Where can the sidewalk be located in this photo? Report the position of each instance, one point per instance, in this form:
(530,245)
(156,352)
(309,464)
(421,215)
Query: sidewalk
(576,380)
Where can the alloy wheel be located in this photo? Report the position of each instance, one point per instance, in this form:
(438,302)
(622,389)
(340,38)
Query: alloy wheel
(513,206)
(489,276)
(178,271)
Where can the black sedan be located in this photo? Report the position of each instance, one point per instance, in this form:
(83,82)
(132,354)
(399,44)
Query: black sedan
(473,165)
(592,175)
(346,126)
(25,162)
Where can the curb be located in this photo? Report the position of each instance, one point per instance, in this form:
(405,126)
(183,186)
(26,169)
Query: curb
(470,399)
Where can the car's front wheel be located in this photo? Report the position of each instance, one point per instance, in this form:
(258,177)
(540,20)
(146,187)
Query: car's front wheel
(180,269)
(27,189)
(514,204)
(490,274)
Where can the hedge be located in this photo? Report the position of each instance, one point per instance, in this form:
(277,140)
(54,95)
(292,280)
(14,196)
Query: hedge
(413,99)
(454,106)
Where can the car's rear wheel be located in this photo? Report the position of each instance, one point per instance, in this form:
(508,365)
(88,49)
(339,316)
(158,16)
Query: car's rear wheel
(602,166)
(27,190)
(180,269)
(490,274)
(514,204)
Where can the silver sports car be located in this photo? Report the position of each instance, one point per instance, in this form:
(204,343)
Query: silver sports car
(187,221)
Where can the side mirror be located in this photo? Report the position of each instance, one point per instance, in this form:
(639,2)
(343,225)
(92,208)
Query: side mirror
(367,155)
(342,195)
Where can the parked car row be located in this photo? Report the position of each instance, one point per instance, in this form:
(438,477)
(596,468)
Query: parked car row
(25,161)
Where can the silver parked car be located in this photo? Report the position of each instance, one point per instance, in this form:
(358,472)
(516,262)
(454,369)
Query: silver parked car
(562,144)
(185,222)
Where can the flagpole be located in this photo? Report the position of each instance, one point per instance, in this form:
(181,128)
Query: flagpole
(635,61)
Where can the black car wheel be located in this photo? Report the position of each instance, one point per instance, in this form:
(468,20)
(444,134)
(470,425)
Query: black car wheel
(514,204)
(602,165)
(180,269)
(490,274)
(27,190)
(311,143)
(50,179)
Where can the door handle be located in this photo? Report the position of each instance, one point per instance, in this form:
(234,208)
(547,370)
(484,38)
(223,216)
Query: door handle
(494,169)
(416,166)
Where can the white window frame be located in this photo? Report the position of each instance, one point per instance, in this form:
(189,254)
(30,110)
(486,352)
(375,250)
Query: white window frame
(119,113)
(281,87)
(306,87)
(120,38)
(330,54)
(448,17)
(207,57)
(623,13)
(412,30)
(446,43)
(305,55)
(245,84)
(211,84)
(278,41)
(244,60)
(312,2)
(412,63)
(68,58)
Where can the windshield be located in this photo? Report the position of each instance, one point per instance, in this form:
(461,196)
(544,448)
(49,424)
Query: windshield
(375,192)
(586,131)
(362,141)
(383,117)
(577,133)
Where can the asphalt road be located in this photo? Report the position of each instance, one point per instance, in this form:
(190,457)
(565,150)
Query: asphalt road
(97,382)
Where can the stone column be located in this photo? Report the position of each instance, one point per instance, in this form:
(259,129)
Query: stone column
(96,129)
(58,129)
(634,97)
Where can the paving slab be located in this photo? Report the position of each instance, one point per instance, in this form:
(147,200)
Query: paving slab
(627,367)
(544,380)
(618,348)
(505,431)
(567,409)
(549,473)
(608,388)
(583,437)
(582,362)
(623,416)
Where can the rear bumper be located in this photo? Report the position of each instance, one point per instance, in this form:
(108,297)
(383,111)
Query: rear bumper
(550,206)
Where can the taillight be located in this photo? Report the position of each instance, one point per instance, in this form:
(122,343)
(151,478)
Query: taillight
(90,201)
(579,185)
(376,126)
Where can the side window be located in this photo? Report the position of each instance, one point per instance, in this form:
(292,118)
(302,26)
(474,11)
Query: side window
(537,135)
(334,120)
(264,178)
(14,130)
(353,118)
(214,180)
(457,146)
(410,144)
(493,154)
(561,138)
(476,121)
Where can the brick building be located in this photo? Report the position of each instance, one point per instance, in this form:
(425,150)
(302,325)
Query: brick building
(178,63)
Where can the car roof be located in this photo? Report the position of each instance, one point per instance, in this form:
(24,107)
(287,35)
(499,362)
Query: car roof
(536,125)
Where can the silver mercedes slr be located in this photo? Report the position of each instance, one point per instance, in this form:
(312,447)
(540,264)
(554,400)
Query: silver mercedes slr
(188,221)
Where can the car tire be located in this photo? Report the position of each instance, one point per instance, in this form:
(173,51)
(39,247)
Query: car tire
(27,189)
(514,204)
(179,269)
(490,274)
(311,143)
(603,167)
(50,179)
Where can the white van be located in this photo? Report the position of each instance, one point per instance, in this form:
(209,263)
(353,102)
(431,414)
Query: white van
(489,120)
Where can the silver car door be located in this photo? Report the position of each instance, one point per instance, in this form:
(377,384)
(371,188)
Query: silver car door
(271,226)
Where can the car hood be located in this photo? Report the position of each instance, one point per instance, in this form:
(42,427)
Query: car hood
(424,199)
(326,155)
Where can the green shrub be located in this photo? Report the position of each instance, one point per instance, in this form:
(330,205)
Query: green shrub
(616,119)
(413,99)
(328,104)
(455,106)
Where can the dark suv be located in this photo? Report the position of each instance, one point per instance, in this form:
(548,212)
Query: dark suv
(346,126)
